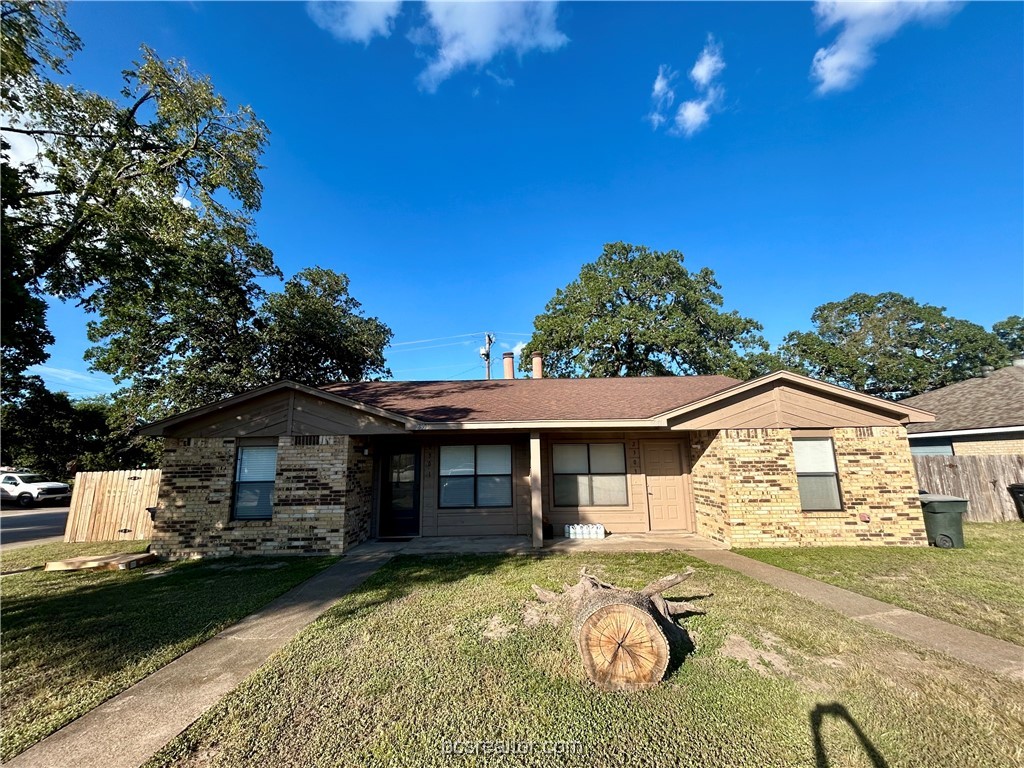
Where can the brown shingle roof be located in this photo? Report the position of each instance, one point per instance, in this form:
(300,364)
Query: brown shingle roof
(533,400)
(993,401)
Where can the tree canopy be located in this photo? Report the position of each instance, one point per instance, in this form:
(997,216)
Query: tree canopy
(890,345)
(57,436)
(105,197)
(639,312)
(1010,333)
(179,348)
(140,209)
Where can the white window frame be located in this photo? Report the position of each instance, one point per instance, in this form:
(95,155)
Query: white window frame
(834,473)
(240,485)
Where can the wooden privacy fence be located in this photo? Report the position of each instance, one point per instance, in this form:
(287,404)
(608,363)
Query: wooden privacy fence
(111,506)
(982,479)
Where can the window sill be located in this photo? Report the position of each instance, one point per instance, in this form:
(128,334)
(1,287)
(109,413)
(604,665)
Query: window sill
(476,509)
(608,508)
(258,523)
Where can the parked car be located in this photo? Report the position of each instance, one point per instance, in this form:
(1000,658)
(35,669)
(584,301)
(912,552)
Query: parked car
(28,489)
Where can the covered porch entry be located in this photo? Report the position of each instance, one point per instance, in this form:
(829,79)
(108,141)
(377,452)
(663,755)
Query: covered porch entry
(512,484)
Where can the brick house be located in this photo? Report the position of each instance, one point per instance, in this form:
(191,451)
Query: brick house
(778,461)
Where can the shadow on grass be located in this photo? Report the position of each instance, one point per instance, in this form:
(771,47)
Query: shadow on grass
(406,574)
(840,712)
(63,628)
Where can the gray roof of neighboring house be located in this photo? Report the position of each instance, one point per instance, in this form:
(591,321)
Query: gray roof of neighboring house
(988,402)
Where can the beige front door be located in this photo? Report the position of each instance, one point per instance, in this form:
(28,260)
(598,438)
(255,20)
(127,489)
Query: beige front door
(666,497)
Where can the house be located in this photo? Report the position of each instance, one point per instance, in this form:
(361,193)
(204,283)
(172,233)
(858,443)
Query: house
(981,416)
(777,461)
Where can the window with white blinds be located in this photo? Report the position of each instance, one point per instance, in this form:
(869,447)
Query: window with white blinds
(589,475)
(816,474)
(255,470)
(475,476)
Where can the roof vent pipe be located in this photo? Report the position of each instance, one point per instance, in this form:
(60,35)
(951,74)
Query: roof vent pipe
(538,365)
(1018,362)
(986,371)
(508,360)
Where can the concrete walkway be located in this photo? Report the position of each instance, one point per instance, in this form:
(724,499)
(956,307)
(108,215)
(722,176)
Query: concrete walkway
(133,726)
(988,653)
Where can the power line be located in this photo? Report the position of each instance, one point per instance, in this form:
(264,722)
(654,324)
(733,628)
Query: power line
(439,338)
(434,346)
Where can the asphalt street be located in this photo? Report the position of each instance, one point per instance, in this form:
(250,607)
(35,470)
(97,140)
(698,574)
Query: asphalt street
(21,525)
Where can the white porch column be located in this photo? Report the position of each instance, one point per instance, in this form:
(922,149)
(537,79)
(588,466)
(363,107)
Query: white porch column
(535,493)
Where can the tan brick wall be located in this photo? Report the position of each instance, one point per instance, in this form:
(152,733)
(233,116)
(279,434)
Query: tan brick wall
(707,472)
(746,492)
(1009,447)
(322,500)
(763,499)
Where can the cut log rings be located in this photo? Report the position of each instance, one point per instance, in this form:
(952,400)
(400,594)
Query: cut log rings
(621,643)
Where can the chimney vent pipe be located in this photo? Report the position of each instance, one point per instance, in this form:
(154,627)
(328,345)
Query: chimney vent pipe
(538,365)
(508,361)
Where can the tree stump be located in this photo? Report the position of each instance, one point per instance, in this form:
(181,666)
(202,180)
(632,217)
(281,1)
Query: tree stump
(624,637)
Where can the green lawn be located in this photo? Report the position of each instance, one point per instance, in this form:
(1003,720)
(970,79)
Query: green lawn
(71,640)
(980,587)
(431,652)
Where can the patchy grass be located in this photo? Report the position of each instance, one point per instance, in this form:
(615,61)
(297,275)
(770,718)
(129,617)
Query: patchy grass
(434,651)
(980,587)
(72,639)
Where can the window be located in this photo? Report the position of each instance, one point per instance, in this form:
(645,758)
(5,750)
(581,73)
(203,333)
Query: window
(254,482)
(816,473)
(932,446)
(591,475)
(476,476)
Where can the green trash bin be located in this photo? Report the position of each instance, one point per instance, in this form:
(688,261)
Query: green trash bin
(944,520)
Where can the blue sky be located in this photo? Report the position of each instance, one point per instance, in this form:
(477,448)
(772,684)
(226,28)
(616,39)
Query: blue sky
(460,163)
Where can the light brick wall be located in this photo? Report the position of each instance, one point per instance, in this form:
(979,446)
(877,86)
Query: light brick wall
(1008,447)
(322,500)
(746,492)
(707,472)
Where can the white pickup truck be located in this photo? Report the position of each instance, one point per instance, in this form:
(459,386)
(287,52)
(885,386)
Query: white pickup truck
(28,489)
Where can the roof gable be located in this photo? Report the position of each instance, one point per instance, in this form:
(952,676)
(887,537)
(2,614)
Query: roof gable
(788,400)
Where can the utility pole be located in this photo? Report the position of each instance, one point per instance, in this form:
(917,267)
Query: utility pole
(485,353)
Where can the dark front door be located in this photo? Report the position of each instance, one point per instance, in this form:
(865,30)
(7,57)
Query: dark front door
(400,494)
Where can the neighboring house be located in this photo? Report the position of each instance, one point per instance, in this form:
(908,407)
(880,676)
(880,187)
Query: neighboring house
(982,416)
(777,461)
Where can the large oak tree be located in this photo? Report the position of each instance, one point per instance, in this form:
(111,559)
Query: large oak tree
(891,346)
(639,312)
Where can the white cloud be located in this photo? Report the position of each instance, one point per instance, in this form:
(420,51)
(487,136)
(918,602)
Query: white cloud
(358,22)
(663,94)
(471,34)
(517,350)
(504,82)
(695,114)
(709,64)
(864,26)
(692,114)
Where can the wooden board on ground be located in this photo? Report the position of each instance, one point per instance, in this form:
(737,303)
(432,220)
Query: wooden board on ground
(122,562)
